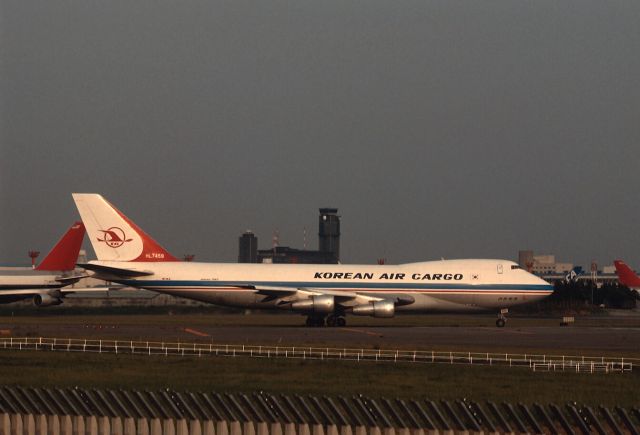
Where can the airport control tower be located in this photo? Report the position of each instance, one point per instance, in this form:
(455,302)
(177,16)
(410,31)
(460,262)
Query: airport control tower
(248,252)
(329,232)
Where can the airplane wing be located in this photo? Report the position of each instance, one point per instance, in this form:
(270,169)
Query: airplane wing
(24,291)
(293,294)
(68,290)
(343,298)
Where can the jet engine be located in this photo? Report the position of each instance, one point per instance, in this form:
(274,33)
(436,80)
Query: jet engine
(44,300)
(375,309)
(315,304)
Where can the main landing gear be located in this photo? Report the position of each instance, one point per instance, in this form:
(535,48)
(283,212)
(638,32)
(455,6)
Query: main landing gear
(331,320)
(315,321)
(336,320)
(502,319)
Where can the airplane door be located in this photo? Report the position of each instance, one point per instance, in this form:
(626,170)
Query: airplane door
(500,272)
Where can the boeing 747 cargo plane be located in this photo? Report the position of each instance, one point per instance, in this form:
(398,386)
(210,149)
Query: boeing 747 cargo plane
(324,293)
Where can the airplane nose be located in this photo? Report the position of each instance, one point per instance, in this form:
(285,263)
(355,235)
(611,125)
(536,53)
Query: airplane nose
(547,284)
(542,281)
(543,285)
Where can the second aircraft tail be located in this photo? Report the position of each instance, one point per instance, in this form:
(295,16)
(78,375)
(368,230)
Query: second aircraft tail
(64,254)
(626,276)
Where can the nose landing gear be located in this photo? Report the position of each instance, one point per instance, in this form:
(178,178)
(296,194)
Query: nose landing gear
(502,319)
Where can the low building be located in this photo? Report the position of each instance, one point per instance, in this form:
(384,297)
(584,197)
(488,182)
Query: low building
(543,264)
(285,254)
(328,245)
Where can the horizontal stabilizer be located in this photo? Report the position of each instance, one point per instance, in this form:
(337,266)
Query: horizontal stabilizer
(67,280)
(116,271)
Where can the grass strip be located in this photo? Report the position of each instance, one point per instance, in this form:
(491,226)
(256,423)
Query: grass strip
(334,378)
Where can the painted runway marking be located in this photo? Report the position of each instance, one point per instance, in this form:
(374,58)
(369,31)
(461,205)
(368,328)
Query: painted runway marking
(361,331)
(522,331)
(196,332)
(507,331)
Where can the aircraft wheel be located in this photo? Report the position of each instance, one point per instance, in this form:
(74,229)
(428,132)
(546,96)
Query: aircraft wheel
(331,321)
(500,323)
(315,321)
(341,321)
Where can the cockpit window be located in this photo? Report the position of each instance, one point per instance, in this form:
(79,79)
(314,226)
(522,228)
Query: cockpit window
(514,266)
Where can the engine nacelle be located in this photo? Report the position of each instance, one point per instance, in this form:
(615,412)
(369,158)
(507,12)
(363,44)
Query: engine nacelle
(44,300)
(376,309)
(315,304)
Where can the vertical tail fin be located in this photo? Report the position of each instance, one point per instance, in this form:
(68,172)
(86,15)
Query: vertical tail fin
(113,236)
(573,275)
(626,276)
(64,254)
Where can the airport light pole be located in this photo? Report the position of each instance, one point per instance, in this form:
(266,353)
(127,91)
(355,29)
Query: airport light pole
(594,277)
(33,255)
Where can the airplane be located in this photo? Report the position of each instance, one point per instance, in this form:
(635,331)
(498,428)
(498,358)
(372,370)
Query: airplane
(324,293)
(45,287)
(626,276)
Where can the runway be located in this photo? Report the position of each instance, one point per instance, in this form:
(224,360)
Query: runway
(622,340)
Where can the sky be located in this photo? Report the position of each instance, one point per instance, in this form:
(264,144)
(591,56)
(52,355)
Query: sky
(439,129)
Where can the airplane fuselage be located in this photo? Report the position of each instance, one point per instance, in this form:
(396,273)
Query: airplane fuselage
(433,286)
(28,280)
(25,284)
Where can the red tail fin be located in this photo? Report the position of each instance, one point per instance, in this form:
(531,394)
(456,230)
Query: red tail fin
(64,254)
(626,276)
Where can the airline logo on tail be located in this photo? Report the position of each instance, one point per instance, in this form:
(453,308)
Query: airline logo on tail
(114,237)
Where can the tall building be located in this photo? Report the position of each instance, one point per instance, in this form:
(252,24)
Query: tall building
(248,248)
(329,232)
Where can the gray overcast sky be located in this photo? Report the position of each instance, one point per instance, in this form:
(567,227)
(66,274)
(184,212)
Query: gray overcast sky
(438,128)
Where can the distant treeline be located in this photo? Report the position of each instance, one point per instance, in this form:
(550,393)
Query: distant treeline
(581,294)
